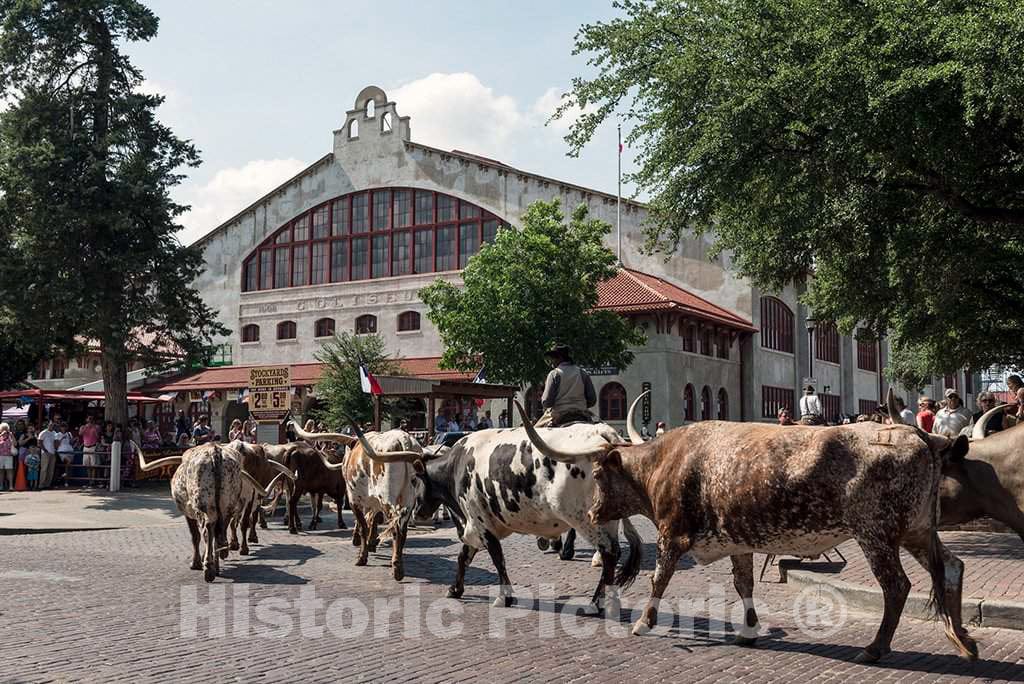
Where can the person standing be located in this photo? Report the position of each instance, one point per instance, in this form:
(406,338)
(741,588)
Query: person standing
(201,433)
(659,429)
(810,408)
(503,419)
(568,391)
(181,426)
(986,402)
(65,450)
(485,422)
(7,451)
(48,455)
(907,416)
(90,436)
(249,430)
(953,417)
(925,414)
(1016,402)
(236,431)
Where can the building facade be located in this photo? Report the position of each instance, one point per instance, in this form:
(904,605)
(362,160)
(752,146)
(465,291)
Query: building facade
(348,243)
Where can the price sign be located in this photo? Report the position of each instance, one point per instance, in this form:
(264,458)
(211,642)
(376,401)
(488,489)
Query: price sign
(269,393)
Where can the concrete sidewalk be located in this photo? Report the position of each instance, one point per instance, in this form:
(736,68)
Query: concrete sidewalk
(64,510)
(993,578)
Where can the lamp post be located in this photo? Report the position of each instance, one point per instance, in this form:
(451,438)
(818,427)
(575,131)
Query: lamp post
(811,322)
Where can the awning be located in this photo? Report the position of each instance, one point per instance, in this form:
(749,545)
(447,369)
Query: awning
(66,395)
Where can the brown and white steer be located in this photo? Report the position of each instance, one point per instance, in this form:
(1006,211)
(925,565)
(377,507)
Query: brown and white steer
(256,460)
(717,489)
(209,486)
(378,492)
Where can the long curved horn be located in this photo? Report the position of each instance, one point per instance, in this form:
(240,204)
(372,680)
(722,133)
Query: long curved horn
(634,436)
(890,405)
(311,437)
(388,456)
(282,469)
(551,452)
(159,463)
(254,483)
(982,423)
(328,464)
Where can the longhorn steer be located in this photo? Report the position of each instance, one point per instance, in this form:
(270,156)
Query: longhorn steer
(307,462)
(496,485)
(378,491)
(718,489)
(208,487)
(256,460)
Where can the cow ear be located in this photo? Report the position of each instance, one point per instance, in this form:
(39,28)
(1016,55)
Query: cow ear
(418,466)
(611,459)
(959,448)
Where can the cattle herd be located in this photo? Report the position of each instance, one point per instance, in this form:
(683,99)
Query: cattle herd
(712,489)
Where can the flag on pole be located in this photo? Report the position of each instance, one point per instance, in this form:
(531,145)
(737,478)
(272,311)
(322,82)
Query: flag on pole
(368,382)
(480,377)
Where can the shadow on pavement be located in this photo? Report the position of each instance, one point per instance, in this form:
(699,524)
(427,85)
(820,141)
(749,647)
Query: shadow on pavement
(441,570)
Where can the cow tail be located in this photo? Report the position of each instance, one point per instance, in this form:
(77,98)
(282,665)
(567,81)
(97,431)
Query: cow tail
(937,570)
(218,476)
(630,567)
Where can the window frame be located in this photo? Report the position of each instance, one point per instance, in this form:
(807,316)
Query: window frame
(408,316)
(365,318)
(248,328)
(330,326)
(604,405)
(282,326)
(777,325)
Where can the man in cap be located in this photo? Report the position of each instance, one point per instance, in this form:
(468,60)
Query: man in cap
(953,417)
(568,391)
(810,408)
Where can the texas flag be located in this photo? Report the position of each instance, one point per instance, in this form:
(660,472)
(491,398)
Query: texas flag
(368,382)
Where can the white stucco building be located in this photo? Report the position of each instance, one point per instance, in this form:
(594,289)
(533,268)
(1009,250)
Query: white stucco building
(348,242)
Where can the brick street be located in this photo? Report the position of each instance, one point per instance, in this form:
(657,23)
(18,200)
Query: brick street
(108,605)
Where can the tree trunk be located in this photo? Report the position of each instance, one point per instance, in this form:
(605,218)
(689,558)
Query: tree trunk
(115,386)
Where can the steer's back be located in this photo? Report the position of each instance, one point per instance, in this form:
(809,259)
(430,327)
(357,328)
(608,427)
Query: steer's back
(794,490)
(376,486)
(195,489)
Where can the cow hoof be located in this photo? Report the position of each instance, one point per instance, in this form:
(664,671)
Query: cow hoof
(454,592)
(292,531)
(223,553)
(596,561)
(567,553)
(640,628)
(504,602)
(244,551)
(543,543)
(263,525)
(398,574)
(233,546)
(360,562)
(210,574)
(372,548)
(868,656)
(357,539)
(196,565)
(745,640)
(342,525)
(592,609)
(556,544)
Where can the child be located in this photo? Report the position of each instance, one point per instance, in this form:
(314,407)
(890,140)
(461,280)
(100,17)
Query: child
(32,465)
(7,450)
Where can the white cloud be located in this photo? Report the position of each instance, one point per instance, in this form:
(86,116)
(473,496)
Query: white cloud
(229,191)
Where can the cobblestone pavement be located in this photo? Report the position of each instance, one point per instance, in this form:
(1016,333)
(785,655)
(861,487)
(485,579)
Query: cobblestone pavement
(121,605)
(994,565)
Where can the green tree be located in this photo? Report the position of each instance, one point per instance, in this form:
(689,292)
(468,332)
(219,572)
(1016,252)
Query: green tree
(85,174)
(532,287)
(339,388)
(877,147)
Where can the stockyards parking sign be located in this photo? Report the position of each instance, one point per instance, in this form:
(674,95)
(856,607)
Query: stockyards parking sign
(269,392)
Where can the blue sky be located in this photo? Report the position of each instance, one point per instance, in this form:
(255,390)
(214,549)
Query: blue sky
(259,86)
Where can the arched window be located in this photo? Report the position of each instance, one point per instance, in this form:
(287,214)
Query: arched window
(385,122)
(776,325)
(408,321)
(251,333)
(353,129)
(370,234)
(286,330)
(689,408)
(371,108)
(826,342)
(705,404)
(366,324)
(323,327)
(723,404)
(613,402)
(867,356)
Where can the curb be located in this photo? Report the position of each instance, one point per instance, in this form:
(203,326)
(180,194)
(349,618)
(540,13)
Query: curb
(976,612)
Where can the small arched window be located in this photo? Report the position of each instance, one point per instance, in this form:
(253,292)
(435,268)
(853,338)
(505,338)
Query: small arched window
(251,333)
(689,410)
(408,321)
(324,327)
(385,122)
(705,404)
(353,129)
(776,325)
(723,404)
(613,402)
(286,330)
(371,108)
(366,324)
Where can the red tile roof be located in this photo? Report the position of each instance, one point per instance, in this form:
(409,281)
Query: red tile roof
(634,292)
(237,377)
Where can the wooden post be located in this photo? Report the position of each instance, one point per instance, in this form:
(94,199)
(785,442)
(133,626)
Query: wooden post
(431,414)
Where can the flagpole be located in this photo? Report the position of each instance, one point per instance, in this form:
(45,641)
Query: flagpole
(618,202)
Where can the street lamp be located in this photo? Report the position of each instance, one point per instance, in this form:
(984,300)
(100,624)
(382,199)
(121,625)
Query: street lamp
(811,322)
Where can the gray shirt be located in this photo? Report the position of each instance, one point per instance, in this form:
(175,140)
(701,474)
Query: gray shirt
(568,387)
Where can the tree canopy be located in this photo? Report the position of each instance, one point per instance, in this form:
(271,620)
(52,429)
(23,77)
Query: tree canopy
(876,148)
(534,286)
(86,171)
(339,388)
